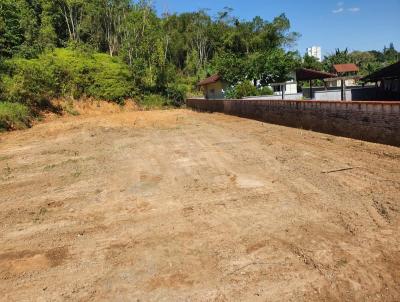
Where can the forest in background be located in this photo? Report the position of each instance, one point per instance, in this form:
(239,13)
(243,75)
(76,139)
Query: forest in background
(119,49)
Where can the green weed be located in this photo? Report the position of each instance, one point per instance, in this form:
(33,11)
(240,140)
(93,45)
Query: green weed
(14,116)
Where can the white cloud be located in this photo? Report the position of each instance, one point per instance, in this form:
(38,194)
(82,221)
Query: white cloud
(341,8)
(338,11)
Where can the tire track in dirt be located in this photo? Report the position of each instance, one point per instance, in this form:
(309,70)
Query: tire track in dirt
(178,205)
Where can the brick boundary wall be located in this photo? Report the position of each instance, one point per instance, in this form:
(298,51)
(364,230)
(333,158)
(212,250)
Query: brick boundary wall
(371,121)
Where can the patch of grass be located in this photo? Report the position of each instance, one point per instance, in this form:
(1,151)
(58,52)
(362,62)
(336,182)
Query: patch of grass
(14,116)
(71,111)
(341,262)
(39,216)
(68,162)
(76,173)
(69,108)
(62,151)
(7,175)
(49,167)
(153,101)
(7,169)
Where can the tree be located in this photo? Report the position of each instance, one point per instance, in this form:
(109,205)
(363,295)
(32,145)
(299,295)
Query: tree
(313,63)
(199,38)
(113,20)
(274,66)
(366,61)
(73,12)
(11,33)
(390,54)
(233,69)
(162,53)
(47,36)
(339,57)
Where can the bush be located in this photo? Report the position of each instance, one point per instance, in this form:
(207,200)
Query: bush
(176,94)
(265,91)
(67,73)
(245,89)
(30,82)
(14,116)
(242,90)
(153,101)
(94,75)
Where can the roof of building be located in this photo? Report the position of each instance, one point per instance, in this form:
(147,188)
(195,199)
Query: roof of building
(210,80)
(304,74)
(341,68)
(390,72)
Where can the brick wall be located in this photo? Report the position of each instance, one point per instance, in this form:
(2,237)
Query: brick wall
(372,121)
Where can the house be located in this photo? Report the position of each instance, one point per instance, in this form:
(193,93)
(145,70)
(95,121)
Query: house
(288,87)
(349,71)
(213,87)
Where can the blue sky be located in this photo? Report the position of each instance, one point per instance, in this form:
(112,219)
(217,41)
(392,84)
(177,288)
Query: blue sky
(356,24)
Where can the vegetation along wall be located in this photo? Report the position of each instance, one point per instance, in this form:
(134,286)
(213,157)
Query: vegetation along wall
(371,121)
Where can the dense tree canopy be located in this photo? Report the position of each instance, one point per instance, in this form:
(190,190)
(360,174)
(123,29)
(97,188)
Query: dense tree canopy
(133,31)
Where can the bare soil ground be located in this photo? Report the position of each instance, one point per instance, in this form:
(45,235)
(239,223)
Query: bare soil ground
(185,206)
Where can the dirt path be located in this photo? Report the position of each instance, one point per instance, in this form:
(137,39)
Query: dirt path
(184,206)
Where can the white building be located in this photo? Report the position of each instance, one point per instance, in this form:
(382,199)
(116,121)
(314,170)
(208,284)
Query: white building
(289,87)
(315,51)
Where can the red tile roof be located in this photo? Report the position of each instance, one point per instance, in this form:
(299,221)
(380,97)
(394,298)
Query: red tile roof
(341,68)
(213,79)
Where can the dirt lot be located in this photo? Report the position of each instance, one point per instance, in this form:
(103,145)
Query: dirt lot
(185,206)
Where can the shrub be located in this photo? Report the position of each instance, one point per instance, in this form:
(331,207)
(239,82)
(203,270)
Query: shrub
(245,89)
(14,116)
(94,75)
(265,91)
(67,72)
(111,80)
(242,90)
(30,82)
(176,94)
(153,101)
